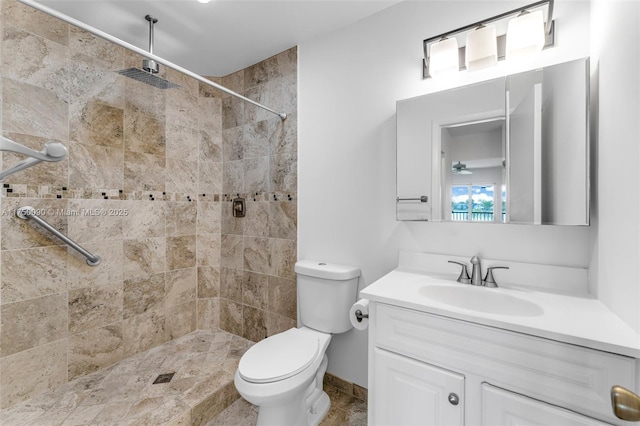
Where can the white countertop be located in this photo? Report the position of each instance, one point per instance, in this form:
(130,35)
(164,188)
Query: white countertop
(571,319)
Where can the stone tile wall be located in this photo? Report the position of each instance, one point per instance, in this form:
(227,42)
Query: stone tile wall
(257,280)
(147,186)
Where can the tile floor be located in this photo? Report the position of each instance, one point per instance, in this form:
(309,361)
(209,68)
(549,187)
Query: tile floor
(201,389)
(124,394)
(345,410)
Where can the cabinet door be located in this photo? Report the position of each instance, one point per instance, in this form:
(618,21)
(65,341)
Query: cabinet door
(504,408)
(408,392)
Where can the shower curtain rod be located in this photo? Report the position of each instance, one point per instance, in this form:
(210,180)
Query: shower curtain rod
(146,54)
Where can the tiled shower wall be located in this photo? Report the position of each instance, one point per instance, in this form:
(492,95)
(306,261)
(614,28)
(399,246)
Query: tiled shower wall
(146,186)
(257,280)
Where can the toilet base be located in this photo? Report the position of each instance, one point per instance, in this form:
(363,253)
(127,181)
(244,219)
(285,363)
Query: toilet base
(282,415)
(307,407)
(322,408)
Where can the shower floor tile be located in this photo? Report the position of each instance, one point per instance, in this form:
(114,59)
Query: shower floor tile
(201,387)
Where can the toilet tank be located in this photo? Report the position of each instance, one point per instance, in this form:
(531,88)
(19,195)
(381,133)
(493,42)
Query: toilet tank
(326,292)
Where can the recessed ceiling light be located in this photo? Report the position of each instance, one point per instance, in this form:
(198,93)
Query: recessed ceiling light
(204,1)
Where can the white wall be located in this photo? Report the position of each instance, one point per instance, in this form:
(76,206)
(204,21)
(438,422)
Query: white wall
(616,51)
(348,85)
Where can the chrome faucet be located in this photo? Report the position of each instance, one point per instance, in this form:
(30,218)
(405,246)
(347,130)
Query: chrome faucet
(476,273)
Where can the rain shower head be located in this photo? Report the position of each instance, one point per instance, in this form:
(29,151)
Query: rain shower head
(148,78)
(150,67)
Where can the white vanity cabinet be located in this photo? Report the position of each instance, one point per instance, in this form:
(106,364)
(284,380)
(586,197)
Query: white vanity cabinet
(416,392)
(427,369)
(501,407)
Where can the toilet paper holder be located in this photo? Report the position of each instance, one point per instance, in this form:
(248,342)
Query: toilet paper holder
(359,315)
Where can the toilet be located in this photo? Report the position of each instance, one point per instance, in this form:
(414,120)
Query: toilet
(283,374)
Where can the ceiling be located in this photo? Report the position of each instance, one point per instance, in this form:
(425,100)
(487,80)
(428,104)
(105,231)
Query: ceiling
(223,36)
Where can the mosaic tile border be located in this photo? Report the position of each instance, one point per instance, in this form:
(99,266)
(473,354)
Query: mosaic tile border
(63,192)
(261,196)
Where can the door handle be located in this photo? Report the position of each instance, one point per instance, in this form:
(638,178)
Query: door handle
(625,404)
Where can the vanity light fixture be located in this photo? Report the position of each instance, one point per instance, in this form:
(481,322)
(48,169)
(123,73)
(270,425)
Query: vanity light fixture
(444,57)
(527,33)
(482,48)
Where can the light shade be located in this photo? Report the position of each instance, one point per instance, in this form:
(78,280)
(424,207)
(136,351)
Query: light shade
(525,35)
(482,48)
(444,58)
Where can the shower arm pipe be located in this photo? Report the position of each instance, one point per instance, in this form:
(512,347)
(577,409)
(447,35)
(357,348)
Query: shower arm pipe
(142,52)
(28,212)
(152,21)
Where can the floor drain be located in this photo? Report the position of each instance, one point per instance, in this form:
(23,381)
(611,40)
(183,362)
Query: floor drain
(163,378)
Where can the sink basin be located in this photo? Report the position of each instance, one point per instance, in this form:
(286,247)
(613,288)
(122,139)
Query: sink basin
(481,299)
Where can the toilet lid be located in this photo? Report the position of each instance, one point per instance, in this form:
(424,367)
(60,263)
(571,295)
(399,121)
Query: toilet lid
(279,357)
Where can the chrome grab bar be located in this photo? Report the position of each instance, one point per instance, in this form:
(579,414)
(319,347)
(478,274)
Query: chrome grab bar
(28,212)
(626,404)
(422,199)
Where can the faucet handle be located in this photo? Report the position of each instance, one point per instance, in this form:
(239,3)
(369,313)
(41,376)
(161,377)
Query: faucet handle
(464,277)
(489,281)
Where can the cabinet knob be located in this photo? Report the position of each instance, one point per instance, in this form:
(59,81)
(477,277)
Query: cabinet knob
(453,399)
(626,404)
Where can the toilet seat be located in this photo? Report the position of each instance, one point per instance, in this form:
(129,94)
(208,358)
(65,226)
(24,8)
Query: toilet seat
(280,356)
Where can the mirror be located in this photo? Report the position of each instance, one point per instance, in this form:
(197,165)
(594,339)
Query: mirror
(513,149)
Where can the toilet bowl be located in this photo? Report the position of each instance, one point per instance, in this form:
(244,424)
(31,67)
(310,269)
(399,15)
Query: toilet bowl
(283,373)
(283,376)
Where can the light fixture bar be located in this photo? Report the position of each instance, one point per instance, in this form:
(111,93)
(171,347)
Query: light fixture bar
(501,40)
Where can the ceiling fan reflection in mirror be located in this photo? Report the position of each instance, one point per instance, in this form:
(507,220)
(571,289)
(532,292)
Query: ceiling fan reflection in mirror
(460,169)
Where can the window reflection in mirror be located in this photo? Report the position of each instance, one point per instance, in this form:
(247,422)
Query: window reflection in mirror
(474,158)
(478,203)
